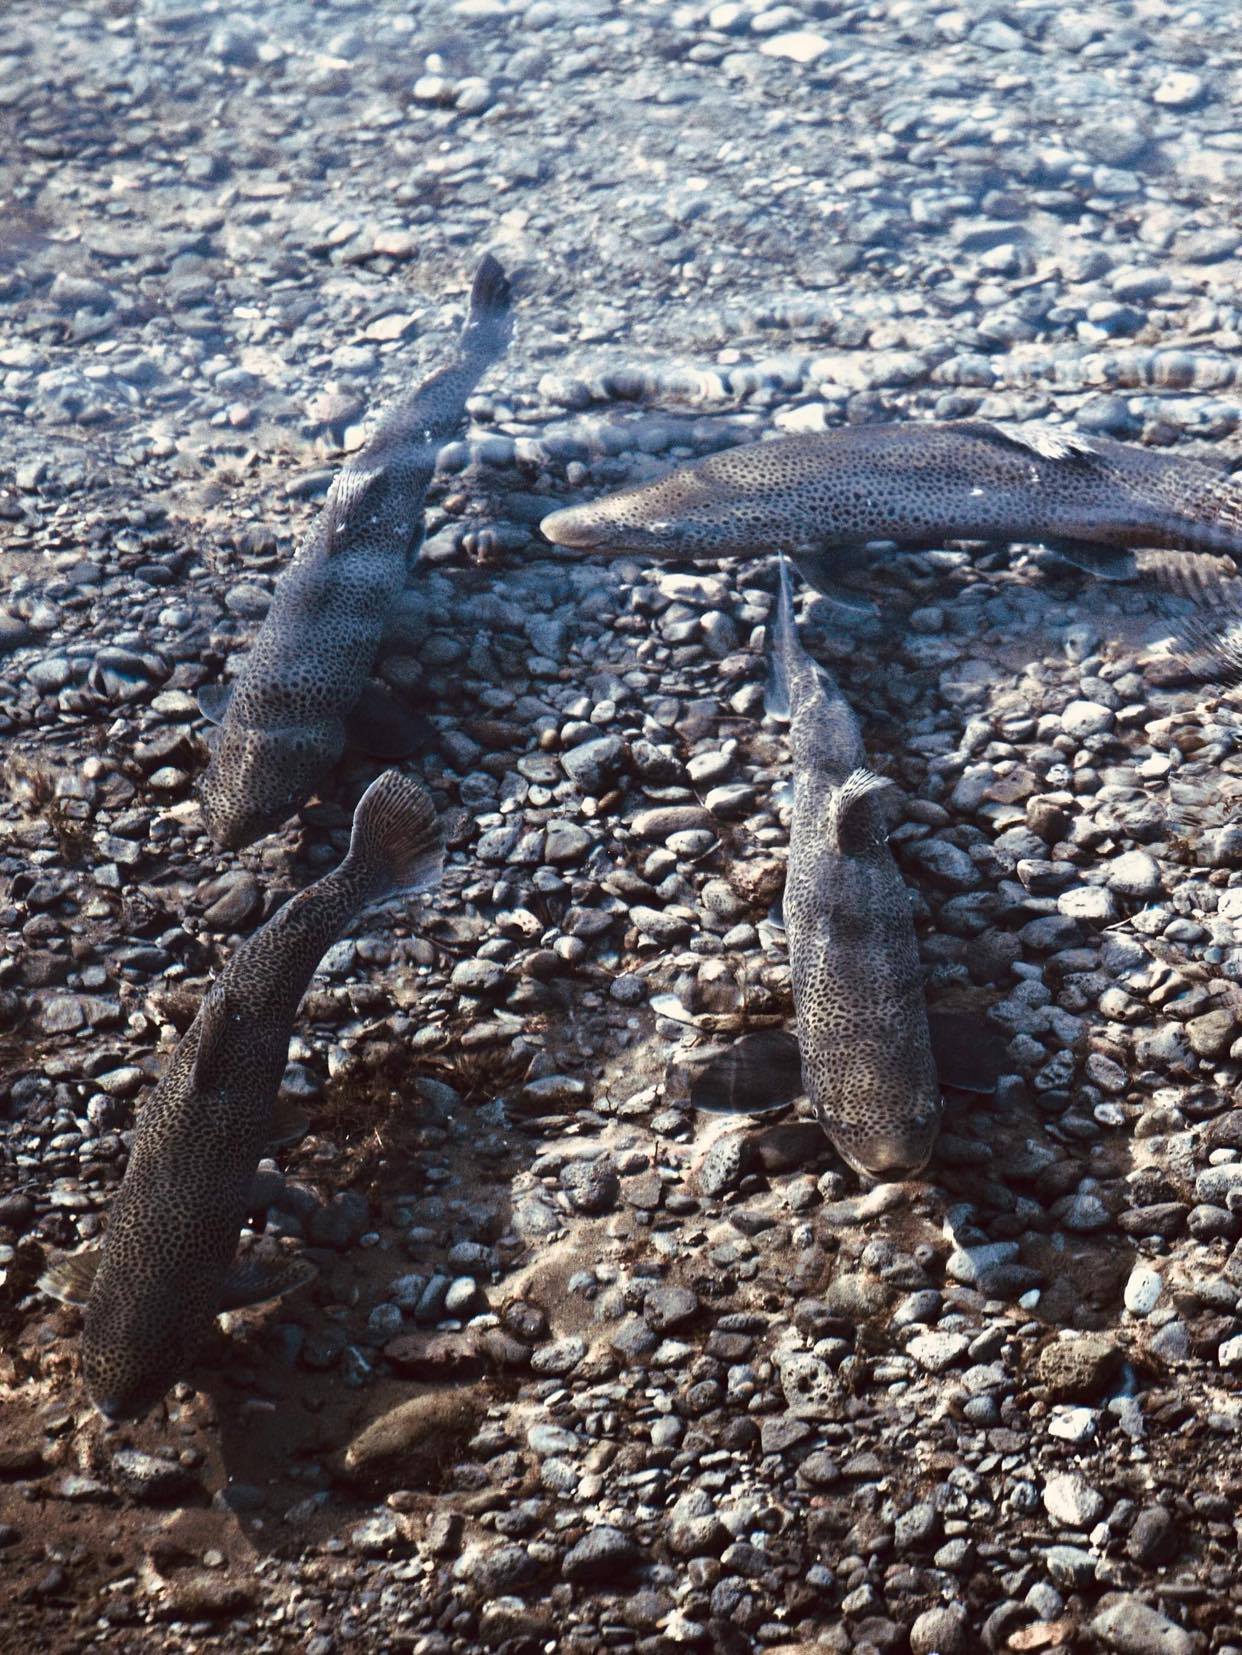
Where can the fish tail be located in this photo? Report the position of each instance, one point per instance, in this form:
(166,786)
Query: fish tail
(1209,638)
(489,325)
(396,845)
(783,648)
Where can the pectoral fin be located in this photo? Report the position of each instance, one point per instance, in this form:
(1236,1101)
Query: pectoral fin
(213,701)
(776,913)
(71,1278)
(266,1188)
(758,1075)
(1104,562)
(288,1126)
(821,571)
(969,1051)
(381,726)
(254,1281)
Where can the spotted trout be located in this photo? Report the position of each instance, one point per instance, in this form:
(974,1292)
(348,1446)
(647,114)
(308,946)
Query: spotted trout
(284,722)
(867,1061)
(918,483)
(169,1263)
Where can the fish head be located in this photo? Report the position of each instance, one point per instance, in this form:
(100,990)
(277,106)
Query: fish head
(689,512)
(258,778)
(887,1139)
(136,1344)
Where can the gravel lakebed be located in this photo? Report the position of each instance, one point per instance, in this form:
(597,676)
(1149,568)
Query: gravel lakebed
(584,1368)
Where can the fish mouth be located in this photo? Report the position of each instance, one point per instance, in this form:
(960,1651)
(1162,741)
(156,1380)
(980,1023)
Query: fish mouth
(570,529)
(896,1171)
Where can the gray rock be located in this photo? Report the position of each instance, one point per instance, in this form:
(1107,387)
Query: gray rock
(944,1630)
(565,842)
(726,1163)
(943,865)
(1134,874)
(233,901)
(603,1553)
(666,1308)
(341,1222)
(150,1478)
(478,977)
(1086,718)
(662,822)
(1130,1627)
(592,1186)
(491,1570)
(593,766)
(1071,1501)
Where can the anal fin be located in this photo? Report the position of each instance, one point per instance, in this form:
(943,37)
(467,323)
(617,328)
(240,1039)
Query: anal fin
(289,1125)
(71,1278)
(255,1281)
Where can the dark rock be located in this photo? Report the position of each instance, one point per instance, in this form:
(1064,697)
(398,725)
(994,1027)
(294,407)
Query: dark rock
(1078,1370)
(592,1186)
(603,1553)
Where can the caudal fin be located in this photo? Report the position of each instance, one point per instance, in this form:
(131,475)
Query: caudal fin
(396,844)
(1208,647)
(782,645)
(489,325)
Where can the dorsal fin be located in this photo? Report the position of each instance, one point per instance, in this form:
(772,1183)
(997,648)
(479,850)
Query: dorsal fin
(1049,442)
(214,1017)
(848,823)
(346,501)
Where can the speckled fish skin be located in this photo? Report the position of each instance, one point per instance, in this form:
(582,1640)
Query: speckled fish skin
(858,990)
(915,483)
(284,726)
(173,1228)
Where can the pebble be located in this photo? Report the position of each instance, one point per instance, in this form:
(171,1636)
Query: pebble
(1136,875)
(1071,1501)
(1143,1289)
(935,1352)
(150,1478)
(1086,718)
(1078,1369)
(592,1186)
